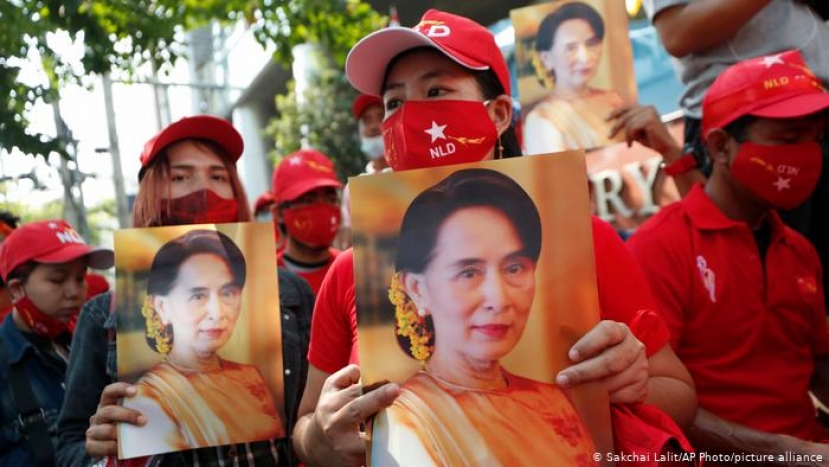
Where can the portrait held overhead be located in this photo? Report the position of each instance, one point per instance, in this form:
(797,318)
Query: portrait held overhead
(575,67)
(213,375)
(476,285)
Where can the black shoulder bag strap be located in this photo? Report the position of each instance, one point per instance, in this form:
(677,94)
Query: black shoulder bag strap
(29,413)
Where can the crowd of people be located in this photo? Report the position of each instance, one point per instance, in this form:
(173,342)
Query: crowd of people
(713,333)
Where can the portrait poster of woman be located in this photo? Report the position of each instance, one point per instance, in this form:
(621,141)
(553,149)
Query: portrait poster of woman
(198,333)
(575,65)
(472,282)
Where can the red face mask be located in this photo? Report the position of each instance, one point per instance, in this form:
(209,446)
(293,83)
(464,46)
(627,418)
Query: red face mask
(783,175)
(41,323)
(435,133)
(315,225)
(199,207)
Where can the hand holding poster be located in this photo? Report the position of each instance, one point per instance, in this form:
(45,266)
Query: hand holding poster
(199,336)
(575,65)
(473,281)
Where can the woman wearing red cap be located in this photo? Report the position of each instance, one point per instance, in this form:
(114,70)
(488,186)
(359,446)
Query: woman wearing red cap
(43,265)
(445,81)
(188,176)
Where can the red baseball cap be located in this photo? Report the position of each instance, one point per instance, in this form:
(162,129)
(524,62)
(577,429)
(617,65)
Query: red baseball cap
(301,172)
(213,129)
(774,86)
(461,39)
(50,242)
(263,202)
(362,102)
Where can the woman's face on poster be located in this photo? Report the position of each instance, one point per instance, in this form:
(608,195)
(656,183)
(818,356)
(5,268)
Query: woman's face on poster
(575,54)
(479,285)
(203,304)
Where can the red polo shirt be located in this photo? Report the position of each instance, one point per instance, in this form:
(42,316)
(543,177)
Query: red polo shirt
(748,334)
(623,296)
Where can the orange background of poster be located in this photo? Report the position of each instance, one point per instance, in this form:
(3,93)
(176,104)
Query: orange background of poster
(566,301)
(257,338)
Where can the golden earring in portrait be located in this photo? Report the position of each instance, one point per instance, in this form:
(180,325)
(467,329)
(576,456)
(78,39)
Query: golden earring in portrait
(411,322)
(159,335)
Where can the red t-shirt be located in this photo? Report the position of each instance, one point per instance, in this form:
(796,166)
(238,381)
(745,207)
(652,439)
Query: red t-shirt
(623,296)
(748,334)
(313,276)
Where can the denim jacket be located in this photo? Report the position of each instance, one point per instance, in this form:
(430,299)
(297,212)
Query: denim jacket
(92,366)
(46,380)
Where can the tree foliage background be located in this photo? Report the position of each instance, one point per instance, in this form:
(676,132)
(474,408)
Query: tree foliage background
(125,34)
(324,118)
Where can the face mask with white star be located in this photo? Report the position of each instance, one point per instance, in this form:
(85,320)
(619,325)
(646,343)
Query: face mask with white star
(435,133)
(783,175)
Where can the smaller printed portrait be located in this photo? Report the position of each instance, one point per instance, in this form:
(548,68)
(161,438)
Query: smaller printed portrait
(472,283)
(575,66)
(199,335)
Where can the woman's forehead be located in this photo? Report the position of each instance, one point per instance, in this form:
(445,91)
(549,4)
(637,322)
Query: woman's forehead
(476,226)
(193,153)
(422,65)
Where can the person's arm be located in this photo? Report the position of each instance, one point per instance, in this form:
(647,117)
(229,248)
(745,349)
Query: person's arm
(627,350)
(88,391)
(643,125)
(611,352)
(700,25)
(332,409)
(671,388)
(714,435)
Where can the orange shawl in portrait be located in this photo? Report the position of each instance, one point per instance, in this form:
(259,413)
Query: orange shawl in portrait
(529,423)
(230,405)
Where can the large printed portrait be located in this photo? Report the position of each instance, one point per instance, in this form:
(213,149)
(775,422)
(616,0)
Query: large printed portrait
(575,65)
(199,335)
(473,281)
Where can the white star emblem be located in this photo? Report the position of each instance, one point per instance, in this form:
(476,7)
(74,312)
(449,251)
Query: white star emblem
(53,225)
(436,131)
(782,183)
(770,60)
(296,160)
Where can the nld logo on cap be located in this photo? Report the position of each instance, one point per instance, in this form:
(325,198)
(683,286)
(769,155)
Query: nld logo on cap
(66,234)
(435,28)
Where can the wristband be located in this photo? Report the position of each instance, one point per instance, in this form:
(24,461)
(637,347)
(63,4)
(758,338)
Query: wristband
(681,165)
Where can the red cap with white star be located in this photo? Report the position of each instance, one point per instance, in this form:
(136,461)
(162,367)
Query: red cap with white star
(774,86)
(301,172)
(466,42)
(50,242)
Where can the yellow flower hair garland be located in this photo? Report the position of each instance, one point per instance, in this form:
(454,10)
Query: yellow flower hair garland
(409,323)
(157,332)
(545,77)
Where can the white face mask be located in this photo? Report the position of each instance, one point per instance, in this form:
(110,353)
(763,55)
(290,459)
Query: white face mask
(372,147)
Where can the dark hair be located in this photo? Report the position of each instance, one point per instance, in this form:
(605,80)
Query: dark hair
(154,185)
(738,128)
(167,262)
(490,87)
(465,189)
(21,272)
(573,10)
(9,219)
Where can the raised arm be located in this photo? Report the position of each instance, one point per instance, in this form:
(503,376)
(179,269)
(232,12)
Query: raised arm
(696,26)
